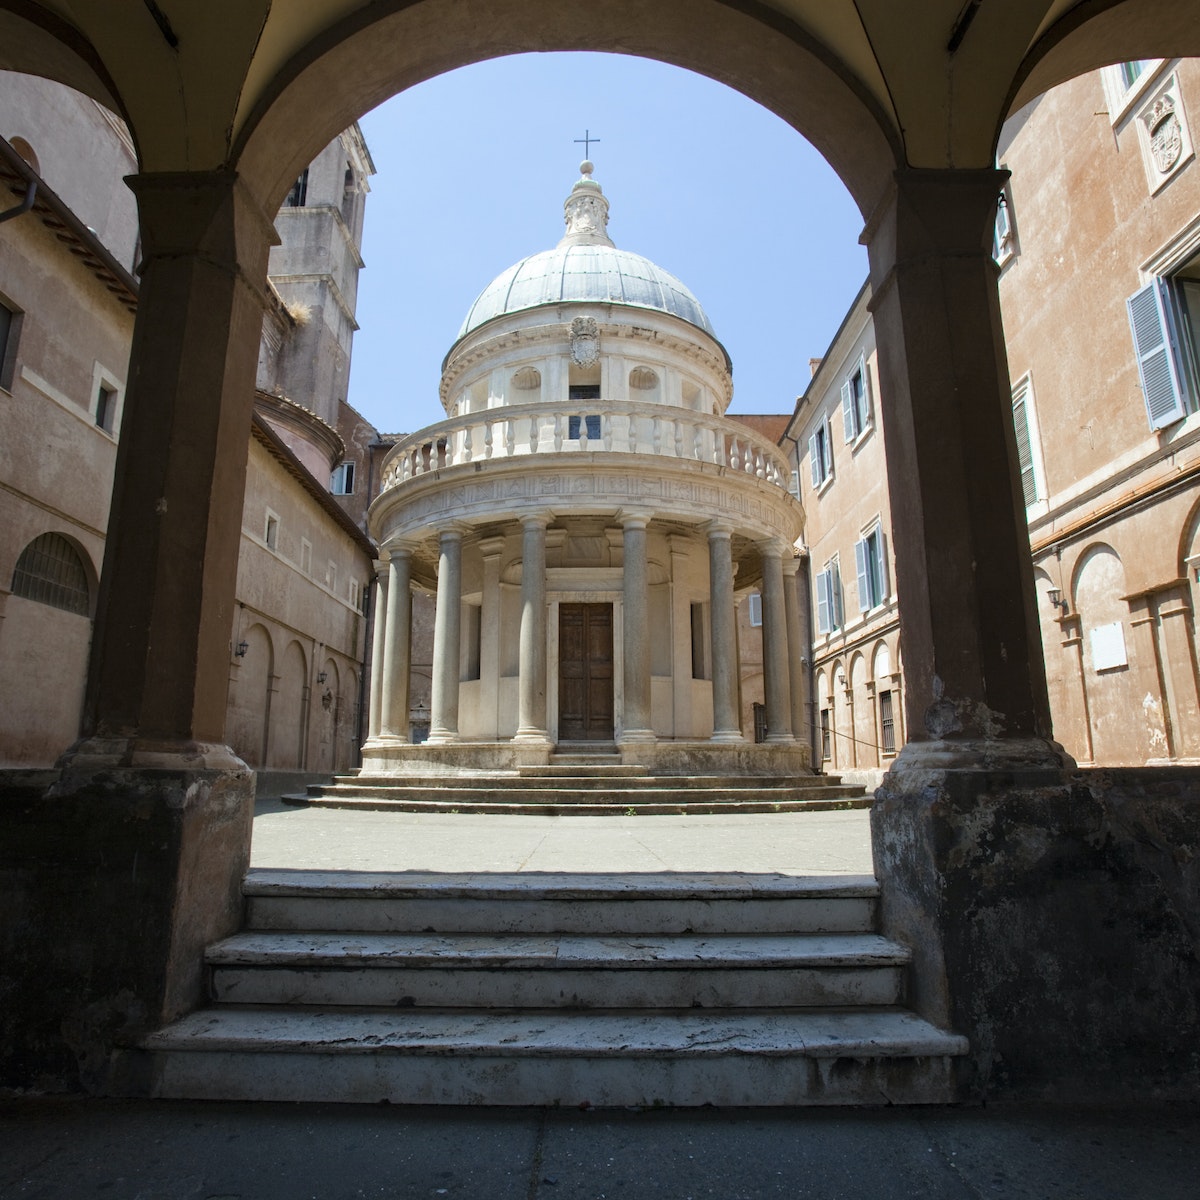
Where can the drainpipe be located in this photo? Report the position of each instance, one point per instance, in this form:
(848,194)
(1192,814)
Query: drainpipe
(24,206)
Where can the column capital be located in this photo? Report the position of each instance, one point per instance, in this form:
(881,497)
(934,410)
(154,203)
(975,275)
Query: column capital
(635,518)
(718,529)
(791,566)
(396,550)
(537,518)
(776,547)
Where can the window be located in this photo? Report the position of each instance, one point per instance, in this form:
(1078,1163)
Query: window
(472,640)
(1003,246)
(1124,82)
(354,593)
(1163,318)
(856,403)
(887,724)
(331,575)
(341,482)
(106,407)
(51,572)
(591,424)
(10,330)
(1130,72)
(826,736)
(829,598)
(760,722)
(699,641)
(271,531)
(1022,426)
(872,570)
(820,454)
(755,608)
(306,556)
(297,197)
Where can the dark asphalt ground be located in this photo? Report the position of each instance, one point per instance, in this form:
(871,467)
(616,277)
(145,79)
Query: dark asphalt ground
(178,1150)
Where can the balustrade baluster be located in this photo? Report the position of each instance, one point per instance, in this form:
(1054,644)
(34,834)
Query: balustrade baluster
(697,442)
(558,432)
(656,440)
(678,438)
(583,431)
(487,438)
(533,435)
(510,436)
(468,446)
(607,429)
(734,460)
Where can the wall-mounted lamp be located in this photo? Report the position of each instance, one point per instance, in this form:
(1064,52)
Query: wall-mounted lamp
(1057,600)
(321,677)
(241,649)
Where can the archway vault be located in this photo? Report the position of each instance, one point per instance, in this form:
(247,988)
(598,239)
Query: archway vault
(260,86)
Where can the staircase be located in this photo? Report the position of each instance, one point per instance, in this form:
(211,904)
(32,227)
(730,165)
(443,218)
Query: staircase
(585,783)
(552,990)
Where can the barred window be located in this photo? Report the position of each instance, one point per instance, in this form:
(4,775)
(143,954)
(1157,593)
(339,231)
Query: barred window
(50,571)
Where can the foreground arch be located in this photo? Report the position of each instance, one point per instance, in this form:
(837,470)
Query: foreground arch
(904,101)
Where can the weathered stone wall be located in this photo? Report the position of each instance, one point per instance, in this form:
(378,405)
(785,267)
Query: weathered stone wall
(109,895)
(1055,921)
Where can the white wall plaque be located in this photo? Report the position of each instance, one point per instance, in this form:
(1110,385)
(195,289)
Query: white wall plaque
(1108,647)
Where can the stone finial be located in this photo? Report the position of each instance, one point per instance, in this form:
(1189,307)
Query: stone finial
(585,212)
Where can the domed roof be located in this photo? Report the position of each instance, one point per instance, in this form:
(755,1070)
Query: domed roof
(585,266)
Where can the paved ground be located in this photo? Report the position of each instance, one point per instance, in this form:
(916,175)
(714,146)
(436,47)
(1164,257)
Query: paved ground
(813,843)
(52,1149)
(63,1149)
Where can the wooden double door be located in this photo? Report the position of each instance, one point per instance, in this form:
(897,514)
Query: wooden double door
(585,672)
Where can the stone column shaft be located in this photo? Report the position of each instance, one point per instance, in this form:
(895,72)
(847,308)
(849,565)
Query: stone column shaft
(797,672)
(447,639)
(636,725)
(378,641)
(531,720)
(776,668)
(397,651)
(726,723)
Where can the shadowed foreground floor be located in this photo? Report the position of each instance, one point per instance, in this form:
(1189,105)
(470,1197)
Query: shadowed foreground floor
(51,1149)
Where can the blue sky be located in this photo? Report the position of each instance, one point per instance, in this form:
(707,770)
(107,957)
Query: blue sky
(473,167)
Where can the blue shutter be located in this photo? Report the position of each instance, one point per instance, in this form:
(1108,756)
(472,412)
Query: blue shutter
(849,412)
(823,602)
(814,461)
(881,573)
(835,595)
(861,551)
(1150,323)
(1024,448)
(865,395)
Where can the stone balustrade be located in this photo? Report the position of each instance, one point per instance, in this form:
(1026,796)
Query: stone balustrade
(594,426)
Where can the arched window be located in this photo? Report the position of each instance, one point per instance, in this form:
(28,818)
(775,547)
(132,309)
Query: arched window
(50,571)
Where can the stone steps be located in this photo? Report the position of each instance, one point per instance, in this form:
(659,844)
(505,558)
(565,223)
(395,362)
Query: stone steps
(585,790)
(552,989)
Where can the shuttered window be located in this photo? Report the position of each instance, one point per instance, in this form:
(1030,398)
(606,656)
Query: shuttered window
(870,566)
(829,598)
(856,405)
(1029,485)
(1152,322)
(820,456)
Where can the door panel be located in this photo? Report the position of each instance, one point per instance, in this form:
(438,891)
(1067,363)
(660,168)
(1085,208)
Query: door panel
(585,672)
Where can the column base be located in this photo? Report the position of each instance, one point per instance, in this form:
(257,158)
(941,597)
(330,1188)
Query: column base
(1049,917)
(122,876)
(728,736)
(779,739)
(442,737)
(640,737)
(532,737)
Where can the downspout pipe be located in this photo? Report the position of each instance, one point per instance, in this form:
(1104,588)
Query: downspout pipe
(24,206)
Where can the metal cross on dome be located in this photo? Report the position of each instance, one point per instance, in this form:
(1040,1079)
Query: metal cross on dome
(587,140)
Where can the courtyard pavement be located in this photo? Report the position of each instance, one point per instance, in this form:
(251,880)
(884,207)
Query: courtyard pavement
(64,1148)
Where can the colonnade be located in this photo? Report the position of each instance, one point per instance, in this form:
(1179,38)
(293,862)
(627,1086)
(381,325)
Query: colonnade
(392,644)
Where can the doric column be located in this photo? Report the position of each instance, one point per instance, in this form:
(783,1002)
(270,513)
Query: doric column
(776,669)
(797,671)
(970,641)
(447,630)
(726,725)
(378,640)
(491,632)
(397,650)
(531,719)
(636,721)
